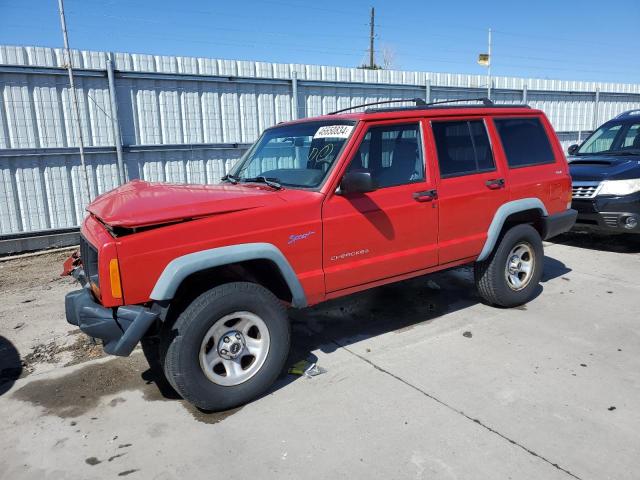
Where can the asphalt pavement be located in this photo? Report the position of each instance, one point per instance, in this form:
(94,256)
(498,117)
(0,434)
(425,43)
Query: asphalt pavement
(423,381)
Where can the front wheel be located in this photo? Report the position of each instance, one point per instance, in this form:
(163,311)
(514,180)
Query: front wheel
(511,275)
(228,346)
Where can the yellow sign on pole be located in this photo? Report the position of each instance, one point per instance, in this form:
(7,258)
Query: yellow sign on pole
(483,59)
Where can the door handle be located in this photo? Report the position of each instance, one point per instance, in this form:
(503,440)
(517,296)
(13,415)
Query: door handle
(425,196)
(495,184)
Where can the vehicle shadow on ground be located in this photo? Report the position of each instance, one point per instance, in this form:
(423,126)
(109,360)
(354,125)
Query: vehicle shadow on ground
(626,243)
(342,322)
(10,365)
(396,307)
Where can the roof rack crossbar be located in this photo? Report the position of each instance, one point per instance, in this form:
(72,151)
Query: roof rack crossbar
(417,101)
(485,103)
(420,104)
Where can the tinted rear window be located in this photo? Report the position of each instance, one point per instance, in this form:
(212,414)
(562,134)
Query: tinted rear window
(525,141)
(463,147)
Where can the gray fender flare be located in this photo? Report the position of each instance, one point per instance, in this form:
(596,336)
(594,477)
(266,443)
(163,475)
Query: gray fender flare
(180,268)
(500,217)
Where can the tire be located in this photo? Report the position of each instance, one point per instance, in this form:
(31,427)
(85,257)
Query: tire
(214,375)
(497,279)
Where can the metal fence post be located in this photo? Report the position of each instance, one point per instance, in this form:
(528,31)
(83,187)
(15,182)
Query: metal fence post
(427,90)
(524,94)
(115,122)
(74,98)
(294,94)
(595,109)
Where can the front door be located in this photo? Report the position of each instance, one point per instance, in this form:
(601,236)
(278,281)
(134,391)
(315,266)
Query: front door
(392,230)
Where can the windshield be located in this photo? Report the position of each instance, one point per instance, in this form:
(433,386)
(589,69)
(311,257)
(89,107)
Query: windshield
(298,155)
(613,138)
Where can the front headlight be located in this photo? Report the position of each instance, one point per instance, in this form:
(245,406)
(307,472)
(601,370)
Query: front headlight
(620,187)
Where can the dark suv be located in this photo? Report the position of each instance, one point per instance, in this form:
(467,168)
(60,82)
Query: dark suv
(606,176)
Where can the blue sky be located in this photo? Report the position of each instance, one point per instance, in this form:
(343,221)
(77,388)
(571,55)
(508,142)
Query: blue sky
(581,40)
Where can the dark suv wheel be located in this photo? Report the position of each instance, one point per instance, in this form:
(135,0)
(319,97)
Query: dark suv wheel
(228,346)
(511,275)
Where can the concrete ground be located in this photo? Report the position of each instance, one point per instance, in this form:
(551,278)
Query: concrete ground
(423,381)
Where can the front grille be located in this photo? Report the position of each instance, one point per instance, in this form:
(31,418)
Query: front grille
(584,189)
(89,257)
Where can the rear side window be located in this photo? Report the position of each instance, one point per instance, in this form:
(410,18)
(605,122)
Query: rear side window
(463,147)
(525,142)
(632,137)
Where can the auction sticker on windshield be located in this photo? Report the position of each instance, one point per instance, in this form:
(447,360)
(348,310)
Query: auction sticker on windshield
(334,131)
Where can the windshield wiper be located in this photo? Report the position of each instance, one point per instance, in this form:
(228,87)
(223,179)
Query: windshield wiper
(272,182)
(230,178)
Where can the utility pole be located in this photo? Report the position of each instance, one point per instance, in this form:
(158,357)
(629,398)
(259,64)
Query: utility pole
(489,68)
(74,98)
(372,63)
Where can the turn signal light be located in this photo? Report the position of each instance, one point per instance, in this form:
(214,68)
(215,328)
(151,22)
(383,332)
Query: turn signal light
(114,276)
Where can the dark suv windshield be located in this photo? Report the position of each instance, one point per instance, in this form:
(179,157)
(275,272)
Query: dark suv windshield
(613,137)
(298,155)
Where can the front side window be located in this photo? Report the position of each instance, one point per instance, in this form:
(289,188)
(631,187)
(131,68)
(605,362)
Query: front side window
(463,147)
(524,141)
(392,154)
(298,155)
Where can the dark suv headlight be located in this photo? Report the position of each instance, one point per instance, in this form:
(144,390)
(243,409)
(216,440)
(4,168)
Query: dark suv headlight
(619,187)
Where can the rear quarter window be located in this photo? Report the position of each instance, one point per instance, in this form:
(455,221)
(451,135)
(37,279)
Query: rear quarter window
(525,142)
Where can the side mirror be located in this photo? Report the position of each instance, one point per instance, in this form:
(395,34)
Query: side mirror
(573,149)
(357,182)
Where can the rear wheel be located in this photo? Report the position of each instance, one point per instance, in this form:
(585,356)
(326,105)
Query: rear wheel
(511,275)
(228,346)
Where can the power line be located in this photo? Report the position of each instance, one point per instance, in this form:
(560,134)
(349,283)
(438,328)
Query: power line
(301,7)
(249,44)
(312,48)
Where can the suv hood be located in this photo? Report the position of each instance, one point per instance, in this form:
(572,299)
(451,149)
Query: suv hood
(142,204)
(595,168)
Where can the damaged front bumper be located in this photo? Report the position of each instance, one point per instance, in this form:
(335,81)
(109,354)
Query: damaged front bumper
(120,328)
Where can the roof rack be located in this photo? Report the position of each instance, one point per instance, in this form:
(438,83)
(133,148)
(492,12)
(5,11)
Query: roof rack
(422,105)
(485,103)
(444,107)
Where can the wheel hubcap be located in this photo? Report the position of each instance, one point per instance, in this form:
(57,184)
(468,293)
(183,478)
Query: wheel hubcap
(520,266)
(234,349)
(231,345)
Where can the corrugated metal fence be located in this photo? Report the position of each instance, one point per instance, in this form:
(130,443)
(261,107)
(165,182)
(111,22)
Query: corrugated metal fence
(181,119)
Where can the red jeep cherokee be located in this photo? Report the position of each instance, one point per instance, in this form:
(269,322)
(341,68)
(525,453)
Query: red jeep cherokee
(316,209)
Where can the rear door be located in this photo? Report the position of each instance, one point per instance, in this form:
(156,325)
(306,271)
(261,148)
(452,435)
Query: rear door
(537,168)
(392,230)
(471,185)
